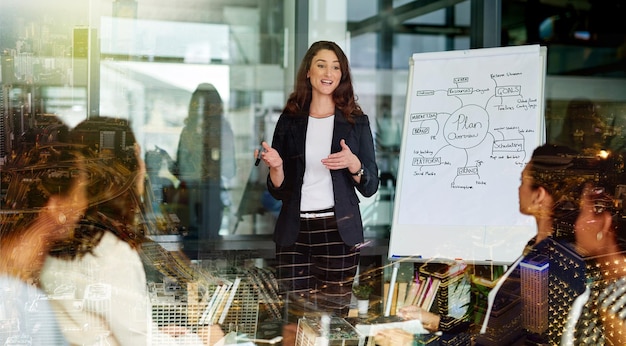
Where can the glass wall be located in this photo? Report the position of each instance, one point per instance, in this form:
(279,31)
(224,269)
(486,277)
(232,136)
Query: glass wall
(584,71)
(142,61)
(382,37)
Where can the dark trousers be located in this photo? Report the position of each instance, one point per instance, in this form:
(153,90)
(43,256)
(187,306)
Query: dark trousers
(315,274)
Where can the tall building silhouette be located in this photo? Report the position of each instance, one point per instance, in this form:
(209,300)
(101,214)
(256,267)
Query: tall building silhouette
(86,66)
(8,77)
(534,293)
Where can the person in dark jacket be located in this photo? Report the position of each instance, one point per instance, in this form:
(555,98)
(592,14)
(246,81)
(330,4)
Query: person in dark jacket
(321,154)
(205,159)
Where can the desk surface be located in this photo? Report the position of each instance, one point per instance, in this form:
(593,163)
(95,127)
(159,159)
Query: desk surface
(258,246)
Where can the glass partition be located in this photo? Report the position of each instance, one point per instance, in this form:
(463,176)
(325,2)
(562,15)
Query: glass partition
(142,61)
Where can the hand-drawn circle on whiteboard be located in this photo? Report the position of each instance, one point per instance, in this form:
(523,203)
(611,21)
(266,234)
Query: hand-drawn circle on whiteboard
(466,127)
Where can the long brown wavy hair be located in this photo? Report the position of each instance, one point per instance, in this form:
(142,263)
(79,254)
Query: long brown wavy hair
(115,203)
(104,150)
(300,99)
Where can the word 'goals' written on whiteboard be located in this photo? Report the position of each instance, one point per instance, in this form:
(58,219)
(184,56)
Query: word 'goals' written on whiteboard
(472,120)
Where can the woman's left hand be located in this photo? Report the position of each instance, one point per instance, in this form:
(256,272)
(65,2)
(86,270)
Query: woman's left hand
(343,159)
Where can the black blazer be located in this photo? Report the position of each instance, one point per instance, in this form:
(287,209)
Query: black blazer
(289,141)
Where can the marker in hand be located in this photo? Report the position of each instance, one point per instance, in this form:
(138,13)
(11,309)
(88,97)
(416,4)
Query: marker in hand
(258,155)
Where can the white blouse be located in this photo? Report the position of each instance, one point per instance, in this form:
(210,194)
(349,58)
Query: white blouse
(317,186)
(101,297)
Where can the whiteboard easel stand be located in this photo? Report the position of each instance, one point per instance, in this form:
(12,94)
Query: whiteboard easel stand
(392,287)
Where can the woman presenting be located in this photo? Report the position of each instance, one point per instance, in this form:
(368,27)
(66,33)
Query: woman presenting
(321,153)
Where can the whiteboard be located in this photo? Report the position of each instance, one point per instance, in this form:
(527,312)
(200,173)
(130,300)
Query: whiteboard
(472,120)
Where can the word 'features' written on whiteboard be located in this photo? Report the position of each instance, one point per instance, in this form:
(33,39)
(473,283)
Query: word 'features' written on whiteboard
(472,120)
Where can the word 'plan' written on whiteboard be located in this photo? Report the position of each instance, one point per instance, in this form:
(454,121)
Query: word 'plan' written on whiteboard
(472,120)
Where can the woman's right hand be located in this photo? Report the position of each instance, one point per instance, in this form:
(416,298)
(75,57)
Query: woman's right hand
(270,156)
(272,159)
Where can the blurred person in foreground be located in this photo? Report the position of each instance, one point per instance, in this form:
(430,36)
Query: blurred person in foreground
(29,226)
(598,316)
(93,274)
(548,180)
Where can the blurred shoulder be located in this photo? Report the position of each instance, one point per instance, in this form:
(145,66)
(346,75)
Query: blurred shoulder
(361,118)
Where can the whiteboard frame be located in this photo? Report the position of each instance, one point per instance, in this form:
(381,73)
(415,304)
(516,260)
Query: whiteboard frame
(519,237)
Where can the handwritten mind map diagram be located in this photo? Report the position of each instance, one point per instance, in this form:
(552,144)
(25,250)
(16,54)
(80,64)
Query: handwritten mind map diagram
(470,127)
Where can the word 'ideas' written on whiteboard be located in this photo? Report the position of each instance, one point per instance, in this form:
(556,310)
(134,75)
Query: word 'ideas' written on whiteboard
(472,121)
